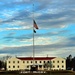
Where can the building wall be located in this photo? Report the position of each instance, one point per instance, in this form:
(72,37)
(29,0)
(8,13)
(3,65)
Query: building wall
(58,63)
(14,64)
(17,64)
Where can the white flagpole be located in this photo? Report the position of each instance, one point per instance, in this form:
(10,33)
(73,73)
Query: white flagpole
(33,37)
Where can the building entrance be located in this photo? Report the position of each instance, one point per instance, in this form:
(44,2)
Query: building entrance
(34,67)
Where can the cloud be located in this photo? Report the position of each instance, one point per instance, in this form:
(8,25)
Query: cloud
(42,50)
(58,48)
(56,15)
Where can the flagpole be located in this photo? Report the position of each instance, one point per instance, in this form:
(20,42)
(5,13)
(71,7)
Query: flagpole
(33,37)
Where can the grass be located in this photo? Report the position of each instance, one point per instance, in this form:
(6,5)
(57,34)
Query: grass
(48,73)
(42,74)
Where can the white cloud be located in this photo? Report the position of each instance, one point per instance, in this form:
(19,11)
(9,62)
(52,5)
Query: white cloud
(8,13)
(43,40)
(15,28)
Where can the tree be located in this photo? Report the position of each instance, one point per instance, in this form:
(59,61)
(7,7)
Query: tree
(73,63)
(48,65)
(69,62)
(0,64)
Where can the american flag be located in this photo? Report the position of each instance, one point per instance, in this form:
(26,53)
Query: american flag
(35,25)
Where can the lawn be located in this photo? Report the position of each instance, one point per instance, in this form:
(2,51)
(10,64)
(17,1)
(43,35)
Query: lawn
(48,73)
(43,74)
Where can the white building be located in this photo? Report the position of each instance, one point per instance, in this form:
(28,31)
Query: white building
(22,63)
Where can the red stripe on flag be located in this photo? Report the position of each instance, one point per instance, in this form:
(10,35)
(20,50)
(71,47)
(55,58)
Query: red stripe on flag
(35,25)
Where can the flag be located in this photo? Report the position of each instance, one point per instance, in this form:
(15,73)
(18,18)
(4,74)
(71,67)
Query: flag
(34,31)
(35,25)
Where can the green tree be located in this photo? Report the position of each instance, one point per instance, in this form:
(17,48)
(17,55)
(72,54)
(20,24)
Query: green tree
(48,65)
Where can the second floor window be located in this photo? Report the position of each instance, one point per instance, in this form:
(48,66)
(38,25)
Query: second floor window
(53,61)
(23,61)
(13,61)
(57,61)
(62,61)
(17,61)
(31,61)
(9,61)
(40,61)
(35,61)
(47,61)
(44,61)
(27,61)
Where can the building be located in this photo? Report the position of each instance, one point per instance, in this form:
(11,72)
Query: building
(25,63)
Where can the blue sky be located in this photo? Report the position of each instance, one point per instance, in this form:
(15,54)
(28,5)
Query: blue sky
(56,22)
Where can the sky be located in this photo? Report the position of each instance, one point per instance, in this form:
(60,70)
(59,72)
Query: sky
(55,36)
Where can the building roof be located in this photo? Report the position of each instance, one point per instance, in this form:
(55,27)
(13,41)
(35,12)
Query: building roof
(36,58)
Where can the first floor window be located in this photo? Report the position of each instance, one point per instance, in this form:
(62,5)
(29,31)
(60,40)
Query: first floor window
(40,66)
(27,66)
(53,66)
(18,66)
(13,66)
(58,66)
(62,66)
(9,66)
(44,66)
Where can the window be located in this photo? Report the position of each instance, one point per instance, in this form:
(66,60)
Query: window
(62,61)
(53,66)
(9,61)
(62,66)
(9,66)
(31,61)
(40,61)
(44,66)
(13,66)
(27,66)
(27,61)
(53,61)
(17,66)
(17,61)
(47,61)
(23,61)
(57,61)
(35,61)
(40,66)
(13,61)
(58,66)
(44,61)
